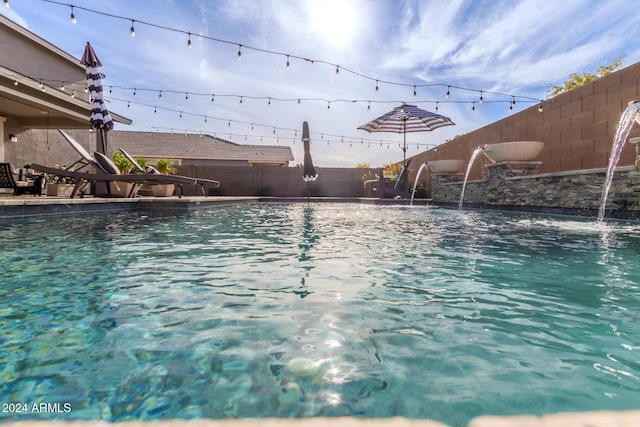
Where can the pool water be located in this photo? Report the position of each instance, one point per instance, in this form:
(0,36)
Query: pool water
(391,311)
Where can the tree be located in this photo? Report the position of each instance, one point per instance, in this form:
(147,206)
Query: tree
(577,80)
(392,169)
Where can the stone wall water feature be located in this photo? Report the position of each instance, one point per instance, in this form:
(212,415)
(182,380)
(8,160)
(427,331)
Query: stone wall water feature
(517,186)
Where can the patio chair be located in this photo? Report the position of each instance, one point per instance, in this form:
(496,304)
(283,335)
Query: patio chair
(106,171)
(9,179)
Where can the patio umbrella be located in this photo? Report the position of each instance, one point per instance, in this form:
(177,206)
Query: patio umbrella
(407,118)
(100,119)
(308,171)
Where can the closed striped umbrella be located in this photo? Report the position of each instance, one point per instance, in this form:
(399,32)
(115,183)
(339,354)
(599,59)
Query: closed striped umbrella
(407,118)
(308,171)
(100,119)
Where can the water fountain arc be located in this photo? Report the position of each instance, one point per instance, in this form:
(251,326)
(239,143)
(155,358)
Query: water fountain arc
(415,184)
(630,115)
(474,155)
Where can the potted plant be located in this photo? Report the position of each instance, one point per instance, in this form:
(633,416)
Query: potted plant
(163,190)
(120,188)
(61,186)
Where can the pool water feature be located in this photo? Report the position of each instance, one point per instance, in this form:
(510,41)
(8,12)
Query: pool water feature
(472,159)
(289,310)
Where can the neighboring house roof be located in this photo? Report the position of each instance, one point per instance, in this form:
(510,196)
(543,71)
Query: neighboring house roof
(190,148)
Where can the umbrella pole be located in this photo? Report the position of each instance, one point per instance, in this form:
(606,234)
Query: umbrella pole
(308,193)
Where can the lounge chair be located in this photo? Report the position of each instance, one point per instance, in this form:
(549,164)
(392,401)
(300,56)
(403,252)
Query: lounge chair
(106,171)
(9,179)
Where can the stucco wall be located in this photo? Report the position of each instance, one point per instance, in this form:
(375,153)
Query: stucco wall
(577,128)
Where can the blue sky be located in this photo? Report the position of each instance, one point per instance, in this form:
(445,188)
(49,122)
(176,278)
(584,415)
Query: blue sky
(513,47)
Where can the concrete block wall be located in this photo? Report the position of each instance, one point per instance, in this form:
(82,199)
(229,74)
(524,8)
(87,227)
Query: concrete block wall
(577,128)
(282,181)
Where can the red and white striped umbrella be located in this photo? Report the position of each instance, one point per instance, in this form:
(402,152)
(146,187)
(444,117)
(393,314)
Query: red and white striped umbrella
(100,119)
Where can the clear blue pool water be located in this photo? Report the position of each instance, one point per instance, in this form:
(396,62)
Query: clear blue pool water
(410,311)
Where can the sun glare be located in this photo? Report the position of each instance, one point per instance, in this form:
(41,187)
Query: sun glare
(333,20)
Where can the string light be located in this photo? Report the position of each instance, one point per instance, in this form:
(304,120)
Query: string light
(481,98)
(415,94)
(287,62)
(189,41)
(448,92)
(266,51)
(473,108)
(540,110)
(160,94)
(369,106)
(62,86)
(337,69)
(132,30)
(377,88)
(437,106)
(186,96)
(73,17)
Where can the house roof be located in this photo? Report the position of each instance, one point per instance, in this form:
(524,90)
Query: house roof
(195,147)
(30,91)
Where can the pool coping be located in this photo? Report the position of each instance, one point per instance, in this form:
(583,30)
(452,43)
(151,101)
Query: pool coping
(40,206)
(570,419)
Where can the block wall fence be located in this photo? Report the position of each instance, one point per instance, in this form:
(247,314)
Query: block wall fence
(577,128)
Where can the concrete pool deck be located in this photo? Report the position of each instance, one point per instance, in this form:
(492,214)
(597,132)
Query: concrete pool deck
(585,419)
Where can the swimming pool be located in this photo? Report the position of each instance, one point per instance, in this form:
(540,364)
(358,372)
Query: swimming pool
(289,310)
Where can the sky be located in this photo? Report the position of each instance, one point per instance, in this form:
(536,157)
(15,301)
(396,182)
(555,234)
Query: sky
(338,52)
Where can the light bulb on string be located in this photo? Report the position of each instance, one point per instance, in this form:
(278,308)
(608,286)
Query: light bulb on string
(269,103)
(62,86)
(298,100)
(377,88)
(239,52)
(134,91)
(415,94)
(160,94)
(186,96)
(132,30)
(481,98)
(240,100)
(155,110)
(213,98)
(288,62)
(540,109)
(473,108)
(73,17)
(205,119)
(328,105)
(337,70)
(369,106)
(448,92)
(110,90)
(180,114)
(189,41)
(437,106)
